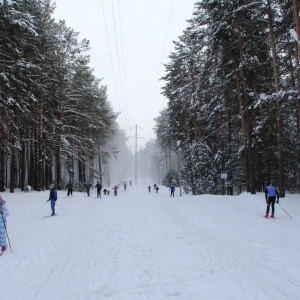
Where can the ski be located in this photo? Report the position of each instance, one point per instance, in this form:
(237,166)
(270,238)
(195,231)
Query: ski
(49,216)
(268,218)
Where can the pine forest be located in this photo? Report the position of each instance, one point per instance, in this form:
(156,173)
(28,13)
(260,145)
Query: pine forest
(54,112)
(232,86)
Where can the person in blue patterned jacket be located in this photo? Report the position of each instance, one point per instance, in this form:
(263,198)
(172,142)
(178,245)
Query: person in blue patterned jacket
(3,215)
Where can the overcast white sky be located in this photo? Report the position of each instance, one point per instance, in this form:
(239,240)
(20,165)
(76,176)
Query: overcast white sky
(140,35)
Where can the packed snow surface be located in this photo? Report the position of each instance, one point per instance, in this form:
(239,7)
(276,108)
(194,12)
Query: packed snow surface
(141,245)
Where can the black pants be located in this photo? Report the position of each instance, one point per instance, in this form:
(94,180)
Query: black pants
(69,192)
(271,201)
(98,193)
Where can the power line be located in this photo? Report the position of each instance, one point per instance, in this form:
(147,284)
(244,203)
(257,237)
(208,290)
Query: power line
(123,64)
(163,102)
(119,69)
(111,60)
(160,62)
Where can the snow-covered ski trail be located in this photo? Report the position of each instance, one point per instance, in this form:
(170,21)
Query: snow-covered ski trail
(142,245)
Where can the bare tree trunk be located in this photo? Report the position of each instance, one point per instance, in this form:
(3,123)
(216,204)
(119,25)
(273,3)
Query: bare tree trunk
(100,167)
(36,162)
(281,185)
(2,152)
(195,121)
(297,22)
(23,165)
(58,153)
(250,171)
(81,160)
(41,162)
(229,142)
(13,166)
(31,177)
(242,113)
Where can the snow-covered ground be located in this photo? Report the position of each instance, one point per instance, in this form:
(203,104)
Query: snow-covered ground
(142,245)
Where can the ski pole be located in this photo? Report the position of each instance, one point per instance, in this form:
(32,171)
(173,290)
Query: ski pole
(61,208)
(38,209)
(6,234)
(285,211)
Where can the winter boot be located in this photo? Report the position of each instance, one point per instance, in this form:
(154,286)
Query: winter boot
(267,215)
(272,215)
(53,213)
(3,248)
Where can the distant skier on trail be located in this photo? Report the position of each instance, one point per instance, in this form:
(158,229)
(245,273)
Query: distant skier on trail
(157,188)
(52,198)
(69,186)
(172,190)
(149,188)
(98,186)
(271,193)
(115,188)
(3,216)
(88,187)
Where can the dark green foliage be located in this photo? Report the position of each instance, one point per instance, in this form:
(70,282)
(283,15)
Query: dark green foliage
(222,101)
(54,112)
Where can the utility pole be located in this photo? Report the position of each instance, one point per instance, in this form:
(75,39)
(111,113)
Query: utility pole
(136,146)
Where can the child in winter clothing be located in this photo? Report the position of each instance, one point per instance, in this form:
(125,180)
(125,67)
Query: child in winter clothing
(3,215)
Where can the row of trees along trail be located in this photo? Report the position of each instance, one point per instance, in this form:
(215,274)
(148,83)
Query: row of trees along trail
(54,112)
(232,84)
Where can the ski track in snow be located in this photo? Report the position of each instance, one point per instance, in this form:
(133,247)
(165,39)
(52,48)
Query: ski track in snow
(142,245)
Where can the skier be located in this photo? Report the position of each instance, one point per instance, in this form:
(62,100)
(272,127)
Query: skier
(270,194)
(125,185)
(52,198)
(149,188)
(115,188)
(69,186)
(99,188)
(3,215)
(88,187)
(156,188)
(172,189)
